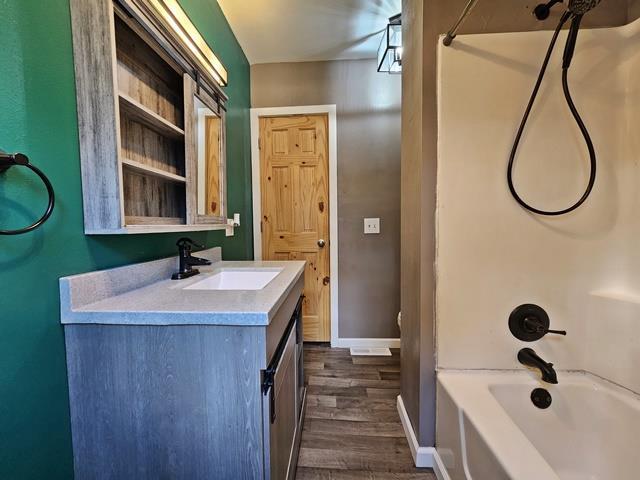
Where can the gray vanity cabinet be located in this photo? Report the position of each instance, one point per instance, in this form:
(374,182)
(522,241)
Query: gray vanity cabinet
(187,401)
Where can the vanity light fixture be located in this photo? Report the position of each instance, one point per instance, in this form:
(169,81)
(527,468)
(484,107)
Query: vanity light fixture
(175,17)
(390,49)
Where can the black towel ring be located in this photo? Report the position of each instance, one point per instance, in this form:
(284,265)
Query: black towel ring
(8,160)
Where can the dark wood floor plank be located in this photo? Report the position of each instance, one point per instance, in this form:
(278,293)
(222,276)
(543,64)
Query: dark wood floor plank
(386,375)
(353,414)
(338,391)
(352,430)
(375,360)
(349,460)
(322,401)
(354,443)
(314,365)
(382,392)
(371,429)
(372,403)
(369,374)
(306,473)
(353,382)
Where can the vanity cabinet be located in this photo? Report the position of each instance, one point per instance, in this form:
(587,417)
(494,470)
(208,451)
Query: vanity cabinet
(151,119)
(187,401)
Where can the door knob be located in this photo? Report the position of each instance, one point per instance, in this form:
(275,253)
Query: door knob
(321,243)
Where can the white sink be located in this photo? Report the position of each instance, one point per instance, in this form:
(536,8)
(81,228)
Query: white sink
(236,279)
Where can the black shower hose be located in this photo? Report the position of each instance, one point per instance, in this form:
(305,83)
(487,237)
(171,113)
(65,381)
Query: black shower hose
(576,116)
(50,205)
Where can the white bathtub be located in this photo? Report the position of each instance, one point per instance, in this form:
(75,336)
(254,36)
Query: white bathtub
(488,428)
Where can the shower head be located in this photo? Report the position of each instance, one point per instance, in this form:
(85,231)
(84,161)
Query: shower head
(577,9)
(580,7)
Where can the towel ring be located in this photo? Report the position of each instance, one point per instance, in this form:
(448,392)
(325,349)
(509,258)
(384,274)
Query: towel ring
(8,160)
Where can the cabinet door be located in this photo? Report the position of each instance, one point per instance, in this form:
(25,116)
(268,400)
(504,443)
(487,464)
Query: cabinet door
(205,156)
(280,414)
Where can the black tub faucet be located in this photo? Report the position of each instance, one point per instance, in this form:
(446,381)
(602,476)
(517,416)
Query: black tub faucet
(528,357)
(187,261)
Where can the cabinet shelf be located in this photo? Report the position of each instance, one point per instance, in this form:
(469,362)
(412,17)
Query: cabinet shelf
(156,172)
(136,111)
(139,220)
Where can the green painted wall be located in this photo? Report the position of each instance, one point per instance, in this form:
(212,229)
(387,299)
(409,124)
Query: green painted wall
(38,117)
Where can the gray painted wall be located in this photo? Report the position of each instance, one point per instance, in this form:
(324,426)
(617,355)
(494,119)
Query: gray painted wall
(422,23)
(368,115)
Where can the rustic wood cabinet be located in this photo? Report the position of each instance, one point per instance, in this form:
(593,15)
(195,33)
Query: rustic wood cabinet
(151,119)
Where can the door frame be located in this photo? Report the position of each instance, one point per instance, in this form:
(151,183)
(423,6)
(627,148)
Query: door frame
(330,111)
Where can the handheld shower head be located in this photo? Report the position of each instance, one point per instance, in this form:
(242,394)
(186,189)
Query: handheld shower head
(577,9)
(580,7)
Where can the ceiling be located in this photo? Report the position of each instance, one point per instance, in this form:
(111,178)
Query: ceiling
(272,31)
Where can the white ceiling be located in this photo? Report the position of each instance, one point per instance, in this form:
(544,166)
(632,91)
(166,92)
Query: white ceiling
(271,31)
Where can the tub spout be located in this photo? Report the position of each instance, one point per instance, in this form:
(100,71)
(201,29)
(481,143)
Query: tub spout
(530,358)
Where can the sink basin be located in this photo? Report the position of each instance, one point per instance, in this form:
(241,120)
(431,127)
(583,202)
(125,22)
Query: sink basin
(230,279)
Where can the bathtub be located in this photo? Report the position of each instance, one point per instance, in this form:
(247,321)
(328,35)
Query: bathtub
(488,428)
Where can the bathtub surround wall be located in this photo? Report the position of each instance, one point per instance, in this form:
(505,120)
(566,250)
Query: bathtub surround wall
(583,267)
(422,23)
(613,304)
(368,118)
(38,117)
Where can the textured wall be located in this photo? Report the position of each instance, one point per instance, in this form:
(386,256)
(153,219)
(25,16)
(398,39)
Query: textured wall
(418,250)
(423,22)
(37,101)
(368,116)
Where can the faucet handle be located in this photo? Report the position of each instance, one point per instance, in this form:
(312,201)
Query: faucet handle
(530,322)
(186,242)
(533,324)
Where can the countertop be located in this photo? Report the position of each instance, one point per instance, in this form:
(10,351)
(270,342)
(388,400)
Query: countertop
(144,294)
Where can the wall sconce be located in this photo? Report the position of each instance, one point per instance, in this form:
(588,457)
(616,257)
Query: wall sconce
(390,49)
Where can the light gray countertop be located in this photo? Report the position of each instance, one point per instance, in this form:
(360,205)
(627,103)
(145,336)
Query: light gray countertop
(144,294)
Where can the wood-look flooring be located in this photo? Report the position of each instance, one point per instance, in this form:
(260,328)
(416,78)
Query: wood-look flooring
(352,429)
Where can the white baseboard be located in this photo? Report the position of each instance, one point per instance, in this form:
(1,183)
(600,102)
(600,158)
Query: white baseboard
(438,467)
(366,343)
(422,456)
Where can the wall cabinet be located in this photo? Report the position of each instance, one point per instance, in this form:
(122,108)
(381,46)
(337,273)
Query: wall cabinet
(151,119)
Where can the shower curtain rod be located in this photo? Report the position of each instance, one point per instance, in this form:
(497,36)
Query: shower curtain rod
(451,34)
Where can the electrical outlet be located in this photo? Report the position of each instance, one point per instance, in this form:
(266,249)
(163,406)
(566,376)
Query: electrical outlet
(229,230)
(371,225)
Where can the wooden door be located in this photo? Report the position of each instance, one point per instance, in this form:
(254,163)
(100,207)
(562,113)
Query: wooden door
(294,179)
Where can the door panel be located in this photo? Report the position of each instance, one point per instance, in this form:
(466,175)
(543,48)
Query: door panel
(294,173)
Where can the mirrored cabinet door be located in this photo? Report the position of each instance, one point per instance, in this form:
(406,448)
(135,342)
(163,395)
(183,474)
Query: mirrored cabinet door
(206,155)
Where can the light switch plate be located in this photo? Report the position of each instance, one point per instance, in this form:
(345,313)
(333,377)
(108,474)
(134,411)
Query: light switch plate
(371,225)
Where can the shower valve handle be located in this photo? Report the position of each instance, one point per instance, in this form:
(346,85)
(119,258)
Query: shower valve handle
(530,322)
(536,326)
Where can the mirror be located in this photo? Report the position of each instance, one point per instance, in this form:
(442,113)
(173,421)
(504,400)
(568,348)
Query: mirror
(210,162)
